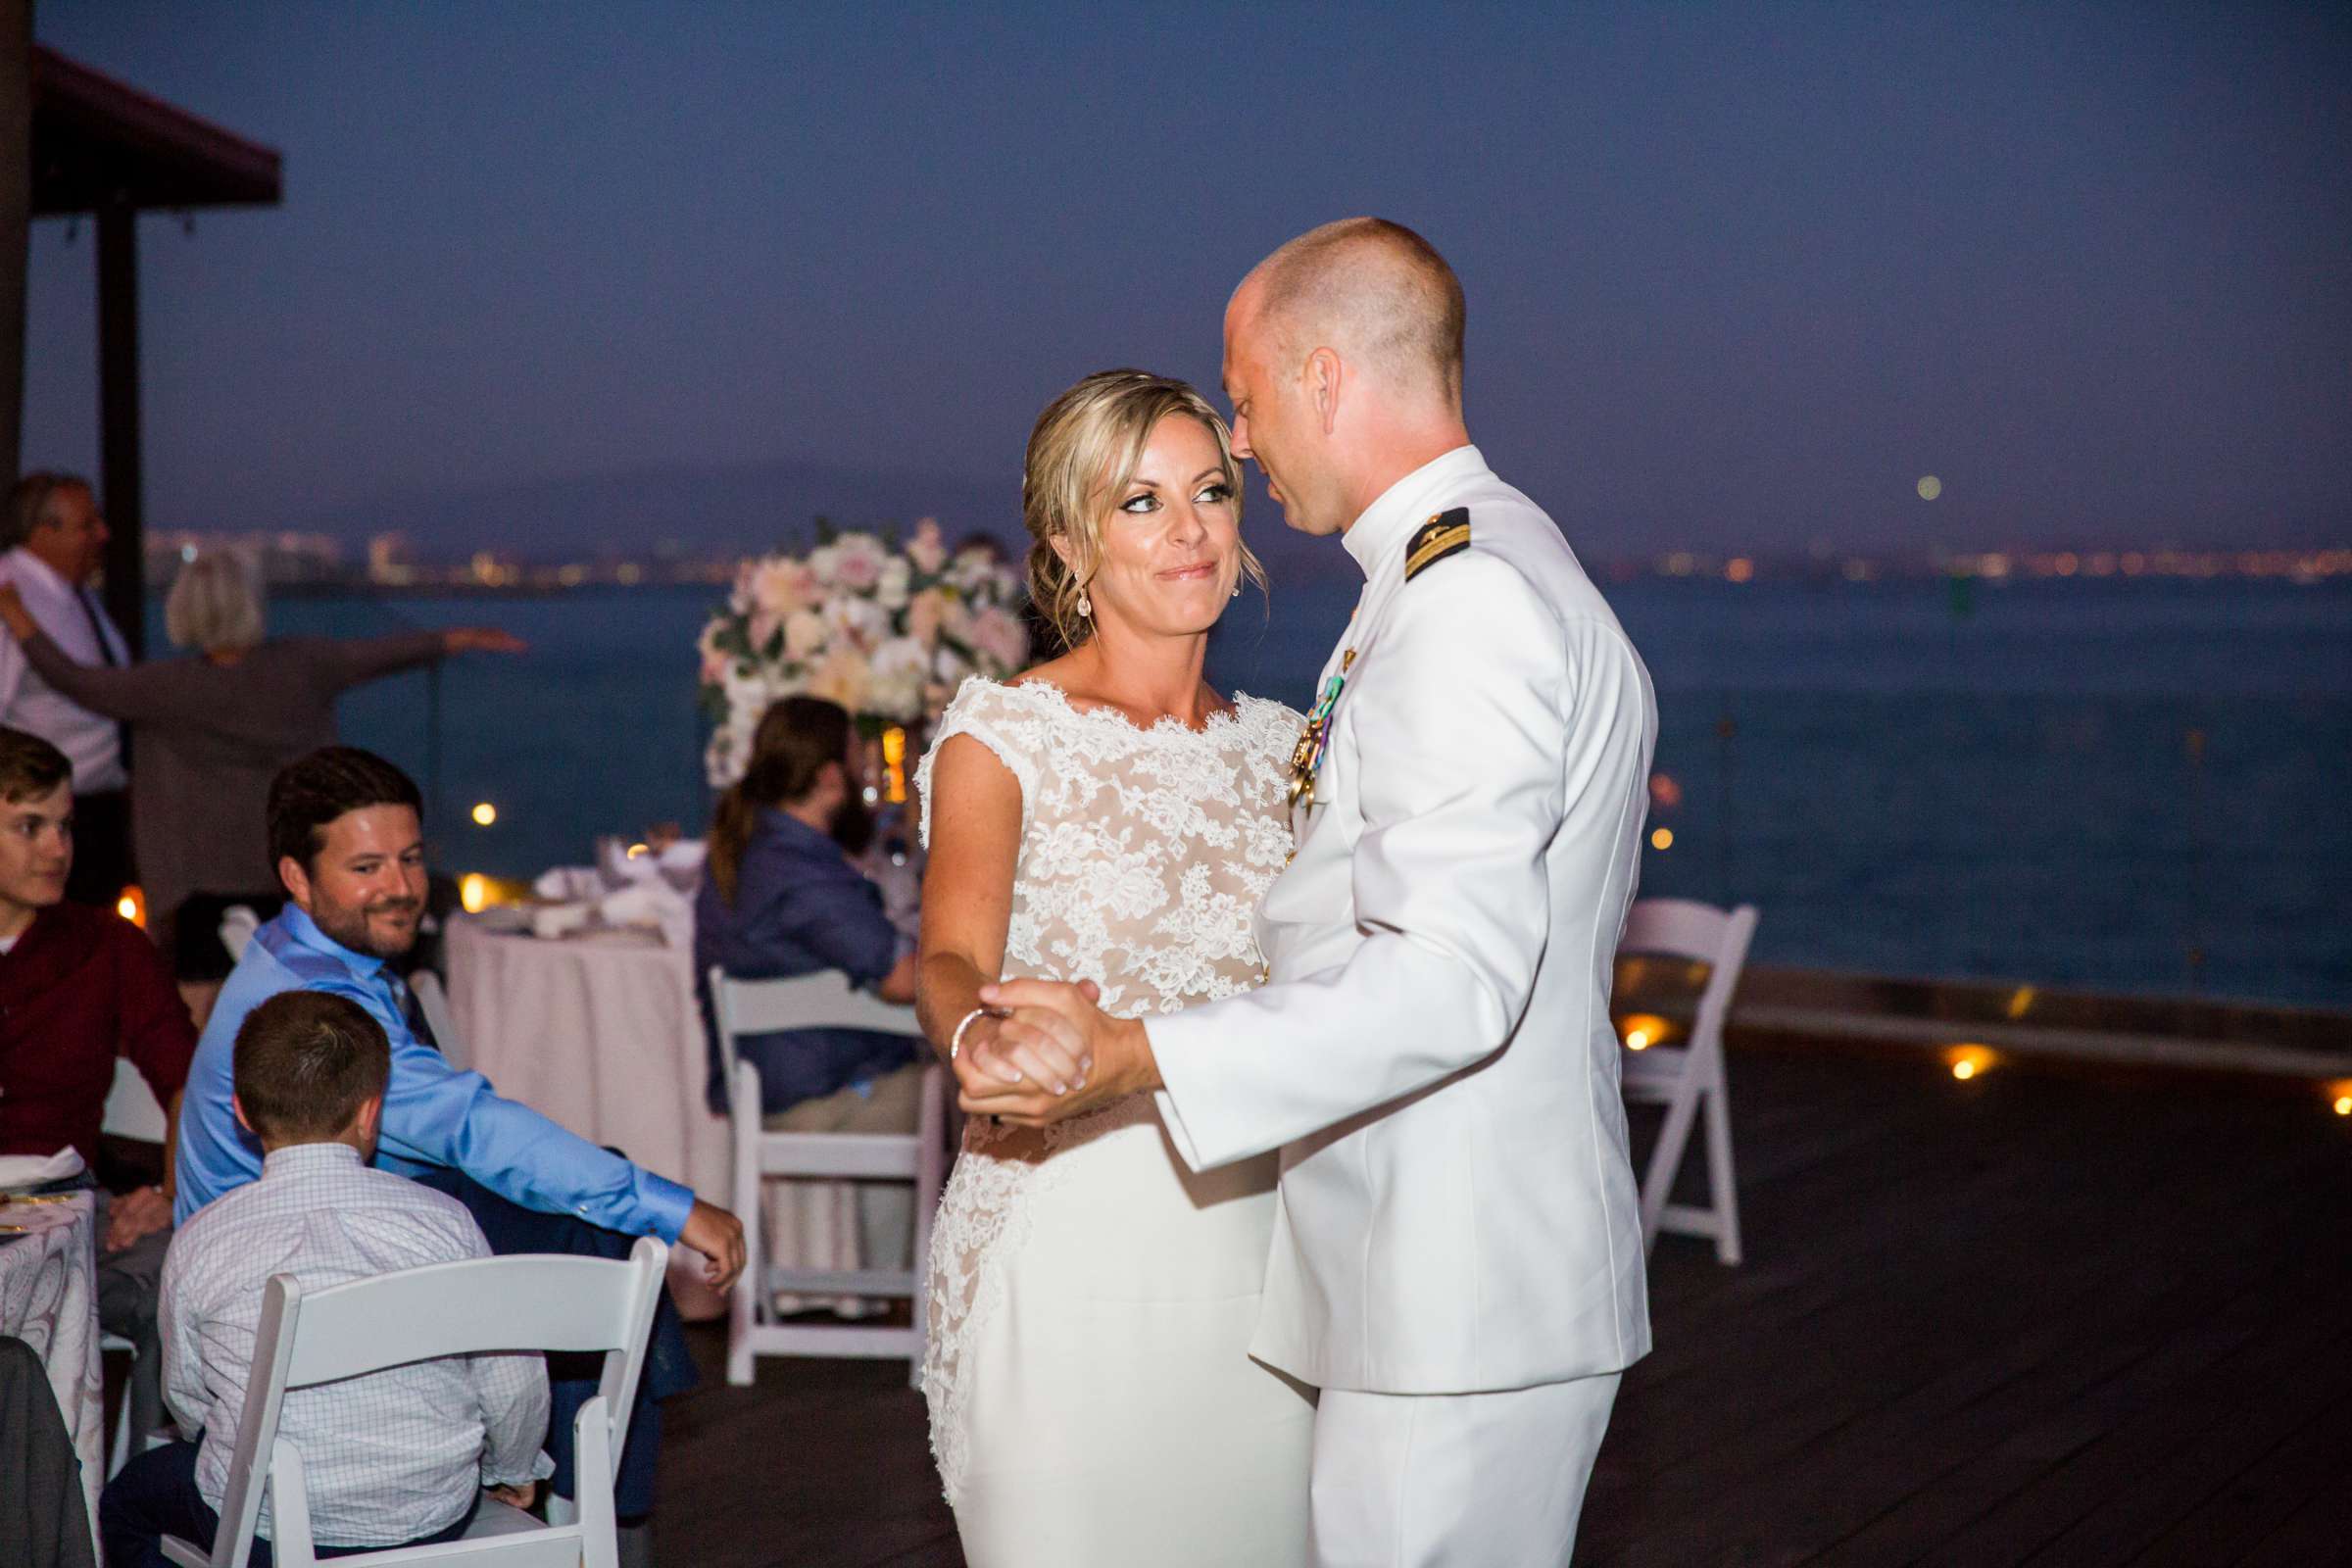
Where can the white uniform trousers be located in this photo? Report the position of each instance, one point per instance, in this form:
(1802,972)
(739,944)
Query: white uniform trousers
(1455,1480)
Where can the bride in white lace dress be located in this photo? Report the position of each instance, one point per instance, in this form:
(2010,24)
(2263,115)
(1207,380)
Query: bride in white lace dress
(1108,817)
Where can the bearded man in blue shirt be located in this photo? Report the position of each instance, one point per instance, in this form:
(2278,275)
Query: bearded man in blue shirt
(345,829)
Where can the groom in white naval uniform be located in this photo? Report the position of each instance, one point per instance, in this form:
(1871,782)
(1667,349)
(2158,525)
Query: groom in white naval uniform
(1457,1261)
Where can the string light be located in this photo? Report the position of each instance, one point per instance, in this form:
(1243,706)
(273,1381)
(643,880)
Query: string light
(1968,1061)
(1661,838)
(484,813)
(1644,1030)
(474,892)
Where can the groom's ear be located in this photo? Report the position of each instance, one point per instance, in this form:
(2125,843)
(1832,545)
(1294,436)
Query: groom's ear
(1325,371)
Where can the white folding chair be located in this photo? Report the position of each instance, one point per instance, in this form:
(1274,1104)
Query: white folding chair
(822,1002)
(433,1001)
(1690,1079)
(528,1303)
(238,923)
(131,1111)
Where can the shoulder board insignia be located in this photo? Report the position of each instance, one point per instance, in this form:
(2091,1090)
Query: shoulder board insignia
(1446,534)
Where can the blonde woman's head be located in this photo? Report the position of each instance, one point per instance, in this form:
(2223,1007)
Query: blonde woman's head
(213,607)
(1133,502)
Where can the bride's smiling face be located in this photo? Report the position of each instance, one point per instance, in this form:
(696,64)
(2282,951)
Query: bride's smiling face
(1171,537)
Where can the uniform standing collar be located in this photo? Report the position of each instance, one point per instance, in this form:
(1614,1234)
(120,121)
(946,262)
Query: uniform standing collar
(1387,523)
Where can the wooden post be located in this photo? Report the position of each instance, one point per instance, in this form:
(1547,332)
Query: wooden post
(15,219)
(119,421)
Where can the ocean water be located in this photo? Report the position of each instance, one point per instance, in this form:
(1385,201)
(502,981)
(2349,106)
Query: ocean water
(2132,786)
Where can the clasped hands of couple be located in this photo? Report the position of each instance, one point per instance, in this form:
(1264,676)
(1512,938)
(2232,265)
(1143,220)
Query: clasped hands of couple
(1045,1052)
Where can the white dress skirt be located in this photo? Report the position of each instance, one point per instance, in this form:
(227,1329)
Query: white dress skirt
(1093,1400)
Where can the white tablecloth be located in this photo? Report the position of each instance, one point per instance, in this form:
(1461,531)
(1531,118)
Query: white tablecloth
(601,1034)
(49,1300)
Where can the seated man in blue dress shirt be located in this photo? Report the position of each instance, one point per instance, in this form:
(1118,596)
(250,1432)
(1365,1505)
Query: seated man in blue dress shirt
(779,899)
(346,828)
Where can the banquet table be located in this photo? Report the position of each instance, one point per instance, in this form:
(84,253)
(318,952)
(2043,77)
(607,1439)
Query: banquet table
(49,1300)
(601,1032)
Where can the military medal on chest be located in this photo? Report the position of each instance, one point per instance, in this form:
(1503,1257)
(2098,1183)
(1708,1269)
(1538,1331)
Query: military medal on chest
(1444,535)
(1307,755)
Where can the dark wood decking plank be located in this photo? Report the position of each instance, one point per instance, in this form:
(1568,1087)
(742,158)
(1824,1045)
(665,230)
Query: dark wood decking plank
(1976,1318)
(2304,1465)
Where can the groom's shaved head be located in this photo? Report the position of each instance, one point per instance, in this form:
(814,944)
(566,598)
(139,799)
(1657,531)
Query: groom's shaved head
(1374,290)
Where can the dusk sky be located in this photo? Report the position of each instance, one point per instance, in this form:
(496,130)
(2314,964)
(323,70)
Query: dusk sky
(1738,277)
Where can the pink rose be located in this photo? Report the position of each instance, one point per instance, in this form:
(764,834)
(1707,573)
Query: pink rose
(1001,638)
(857,562)
(781,587)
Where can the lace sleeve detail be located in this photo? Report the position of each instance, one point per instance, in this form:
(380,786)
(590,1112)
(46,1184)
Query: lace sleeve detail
(998,717)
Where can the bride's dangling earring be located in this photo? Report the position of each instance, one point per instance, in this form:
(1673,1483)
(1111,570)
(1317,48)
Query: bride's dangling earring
(1086,607)
(1237,590)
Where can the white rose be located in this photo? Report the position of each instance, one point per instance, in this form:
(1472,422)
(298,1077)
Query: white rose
(890,589)
(896,679)
(803,634)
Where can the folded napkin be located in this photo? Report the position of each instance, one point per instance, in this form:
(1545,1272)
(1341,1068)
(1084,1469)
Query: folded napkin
(652,904)
(22,1172)
(564,882)
(552,920)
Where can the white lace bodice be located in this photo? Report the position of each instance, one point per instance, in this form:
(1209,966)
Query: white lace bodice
(1143,856)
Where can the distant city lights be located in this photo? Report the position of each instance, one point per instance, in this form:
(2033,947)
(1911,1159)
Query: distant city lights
(484,813)
(389,560)
(1930,487)
(474,892)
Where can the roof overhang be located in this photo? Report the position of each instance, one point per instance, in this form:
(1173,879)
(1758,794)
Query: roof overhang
(99,143)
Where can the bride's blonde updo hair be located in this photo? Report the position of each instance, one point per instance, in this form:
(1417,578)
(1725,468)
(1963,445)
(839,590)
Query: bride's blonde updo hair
(1085,450)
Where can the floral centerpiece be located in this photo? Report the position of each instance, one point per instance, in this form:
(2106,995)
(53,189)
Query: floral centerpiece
(887,630)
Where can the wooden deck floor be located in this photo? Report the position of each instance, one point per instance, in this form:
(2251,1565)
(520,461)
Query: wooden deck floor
(2028,1319)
